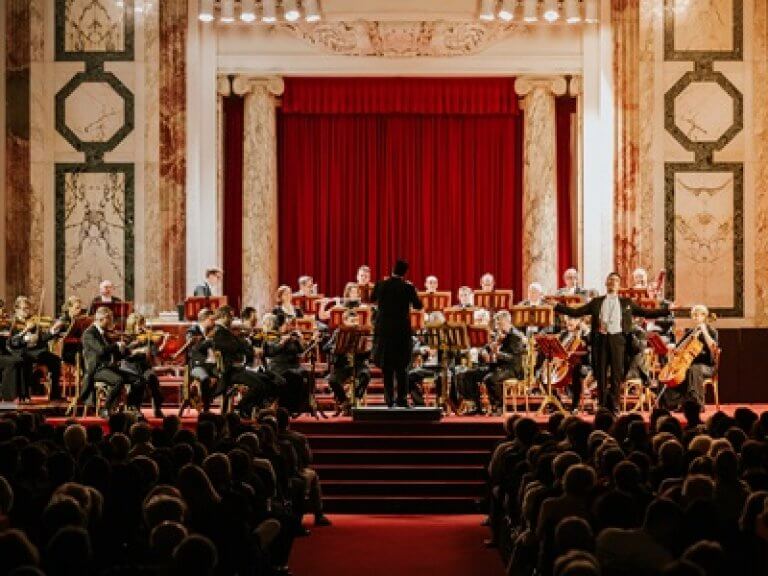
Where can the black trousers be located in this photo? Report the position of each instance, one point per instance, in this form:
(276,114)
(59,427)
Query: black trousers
(115,379)
(43,358)
(340,375)
(260,387)
(12,368)
(391,374)
(609,361)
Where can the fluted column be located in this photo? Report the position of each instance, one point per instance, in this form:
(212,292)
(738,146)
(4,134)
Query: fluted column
(259,188)
(540,179)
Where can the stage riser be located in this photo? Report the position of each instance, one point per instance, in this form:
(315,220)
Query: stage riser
(405,442)
(469,458)
(459,489)
(416,472)
(418,505)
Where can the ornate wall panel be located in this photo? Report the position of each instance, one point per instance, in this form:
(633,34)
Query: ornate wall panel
(94,113)
(703,114)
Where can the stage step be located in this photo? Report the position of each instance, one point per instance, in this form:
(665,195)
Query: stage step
(419,472)
(401,505)
(412,488)
(405,457)
(399,442)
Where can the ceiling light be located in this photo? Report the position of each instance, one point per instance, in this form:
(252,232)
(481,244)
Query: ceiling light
(227,11)
(530,11)
(290,10)
(591,11)
(507,11)
(248,10)
(486,10)
(572,11)
(206,11)
(551,13)
(268,14)
(311,11)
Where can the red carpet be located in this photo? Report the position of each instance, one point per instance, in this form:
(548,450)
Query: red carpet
(359,545)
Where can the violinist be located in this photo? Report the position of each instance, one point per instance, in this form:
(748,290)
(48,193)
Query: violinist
(11,366)
(102,358)
(285,310)
(200,358)
(143,345)
(285,359)
(342,368)
(236,355)
(70,312)
(702,366)
(28,341)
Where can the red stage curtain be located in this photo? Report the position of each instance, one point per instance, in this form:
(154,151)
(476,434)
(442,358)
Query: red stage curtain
(431,175)
(233,199)
(565,109)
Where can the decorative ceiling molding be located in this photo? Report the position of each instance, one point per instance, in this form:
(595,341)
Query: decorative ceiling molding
(404,38)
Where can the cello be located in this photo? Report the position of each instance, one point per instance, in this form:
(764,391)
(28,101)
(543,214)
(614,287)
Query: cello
(673,373)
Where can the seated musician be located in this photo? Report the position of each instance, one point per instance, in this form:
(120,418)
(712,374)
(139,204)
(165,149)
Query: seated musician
(343,370)
(11,366)
(350,300)
(200,359)
(102,359)
(465,298)
(105,296)
(430,284)
(640,279)
(487,282)
(212,286)
(575,339)
(506,353)
(637,343)
(481,317)
(29,341)
(363,279)
(307,286)
(702,366)
(71,311)
(285,358)
(236,355)
(419,369)
(535,295)
(572,287)
(285,310)
(141,349)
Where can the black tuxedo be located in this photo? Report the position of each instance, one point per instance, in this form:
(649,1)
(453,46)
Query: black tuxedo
(101,358)
(97,302)
(32,355)
(609,350)
(203,290)
(393,343)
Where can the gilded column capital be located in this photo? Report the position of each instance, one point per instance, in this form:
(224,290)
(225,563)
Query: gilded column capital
(244,84)
(526,84)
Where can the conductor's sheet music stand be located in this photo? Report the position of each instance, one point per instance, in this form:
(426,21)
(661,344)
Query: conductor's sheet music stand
(447,338)
(550,347)
(193,305)
(351,340)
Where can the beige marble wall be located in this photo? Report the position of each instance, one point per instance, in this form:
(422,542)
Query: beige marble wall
(260,234)
(759,157)
(540,179)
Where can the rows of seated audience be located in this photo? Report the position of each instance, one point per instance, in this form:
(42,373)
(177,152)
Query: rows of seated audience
(622,497)
(226,499)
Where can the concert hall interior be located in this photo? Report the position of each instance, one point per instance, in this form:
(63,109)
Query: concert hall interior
(372,286)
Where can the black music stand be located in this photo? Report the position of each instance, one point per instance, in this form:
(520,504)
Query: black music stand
(550,347)
(350,341)
(447,338)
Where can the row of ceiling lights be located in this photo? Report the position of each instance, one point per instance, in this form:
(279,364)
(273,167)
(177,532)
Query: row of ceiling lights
(291,10)
(550,10)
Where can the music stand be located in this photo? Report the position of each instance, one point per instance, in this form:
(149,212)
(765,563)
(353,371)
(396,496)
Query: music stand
(365,292)
(635,294)
(494,299)
(308,304)
(532,317)
(460,315)
(193,305)
(350,341)
(337,316)
(447,338)
(120,312)
(566,299)
(550,347)
(434,301)
(417,320)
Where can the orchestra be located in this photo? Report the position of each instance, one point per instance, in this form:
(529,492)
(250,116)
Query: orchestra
(627,334)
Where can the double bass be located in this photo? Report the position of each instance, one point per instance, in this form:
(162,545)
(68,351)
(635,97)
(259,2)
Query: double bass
(673,373)
(561,369)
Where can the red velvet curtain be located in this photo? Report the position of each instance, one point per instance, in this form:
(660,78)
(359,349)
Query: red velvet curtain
(233,199)
(425,169)
(565,110)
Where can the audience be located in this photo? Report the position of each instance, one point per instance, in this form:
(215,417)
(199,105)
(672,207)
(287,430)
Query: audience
(622,497)
(227,499)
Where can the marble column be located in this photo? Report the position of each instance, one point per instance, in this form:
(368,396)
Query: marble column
(18,197)
(540,179)
(760,158)
(260,252)
(626,91)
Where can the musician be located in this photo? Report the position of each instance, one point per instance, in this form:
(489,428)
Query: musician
(703,365)
(392,348)
(201,362)
(285,310)
(105,296)
(640,279)
(11,366)
(572,287)
(612,324)
(575,339)
(101,361)
(637,343)
(350,300)
(535,295)
(430,284)
(506,353)
(343,369)
(29,341)
(285,358)
(212,286)
(363,278)
(71,311)
(465,298)
(143,346)
(307,287)
(487,282)
(236,355)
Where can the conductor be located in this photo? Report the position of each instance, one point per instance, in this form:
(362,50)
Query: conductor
(392,345)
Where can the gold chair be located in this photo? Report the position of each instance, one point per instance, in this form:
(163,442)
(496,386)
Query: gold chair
(512,390)
(714,382)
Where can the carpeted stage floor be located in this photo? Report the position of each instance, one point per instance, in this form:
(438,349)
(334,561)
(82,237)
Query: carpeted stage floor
(384,545)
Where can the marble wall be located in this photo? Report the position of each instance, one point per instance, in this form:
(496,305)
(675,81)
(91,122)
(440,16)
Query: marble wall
(690,143)
(95,173)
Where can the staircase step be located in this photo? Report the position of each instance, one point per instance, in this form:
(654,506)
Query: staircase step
(399,505)
(401,442)
(412,472)
(467,488)
(363,457)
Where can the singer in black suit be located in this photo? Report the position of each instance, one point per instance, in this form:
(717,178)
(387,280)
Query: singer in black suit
(393,344)
(612,326)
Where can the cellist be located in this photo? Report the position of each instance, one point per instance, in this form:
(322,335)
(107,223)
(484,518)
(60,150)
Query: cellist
(701,368)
